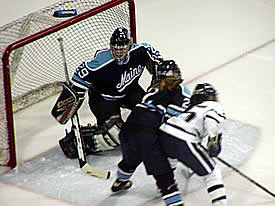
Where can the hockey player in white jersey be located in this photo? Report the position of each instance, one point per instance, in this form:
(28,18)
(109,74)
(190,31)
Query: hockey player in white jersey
(182,135)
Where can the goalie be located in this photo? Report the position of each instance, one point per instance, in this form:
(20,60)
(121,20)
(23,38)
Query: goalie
(111,79)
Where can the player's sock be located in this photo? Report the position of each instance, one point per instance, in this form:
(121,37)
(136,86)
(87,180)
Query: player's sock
(171,196)
(215,188)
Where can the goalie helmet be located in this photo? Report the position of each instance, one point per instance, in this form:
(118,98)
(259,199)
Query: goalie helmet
(203,92)
(168,68)
(120,44)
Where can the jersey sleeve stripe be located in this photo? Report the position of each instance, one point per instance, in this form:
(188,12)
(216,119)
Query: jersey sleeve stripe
(180,128)
(219,114)
(161,108)
(174,110)
(158,108)
(210,117)
(77,81)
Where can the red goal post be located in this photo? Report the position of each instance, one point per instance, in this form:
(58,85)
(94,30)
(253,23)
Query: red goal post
(31,67)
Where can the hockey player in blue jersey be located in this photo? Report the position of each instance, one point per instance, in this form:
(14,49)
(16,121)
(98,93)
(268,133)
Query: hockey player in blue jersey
(111,79)
(139,134)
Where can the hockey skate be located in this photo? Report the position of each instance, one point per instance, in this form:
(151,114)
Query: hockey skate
(120,185)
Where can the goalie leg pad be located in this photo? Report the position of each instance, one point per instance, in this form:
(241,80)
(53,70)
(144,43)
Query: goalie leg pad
(109,139)
(88,134)
(68,145)
(103,137)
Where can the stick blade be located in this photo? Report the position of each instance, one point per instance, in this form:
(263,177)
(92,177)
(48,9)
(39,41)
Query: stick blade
(96,172)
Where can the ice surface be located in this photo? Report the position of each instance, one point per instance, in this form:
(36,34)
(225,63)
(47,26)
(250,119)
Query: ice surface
(53,175)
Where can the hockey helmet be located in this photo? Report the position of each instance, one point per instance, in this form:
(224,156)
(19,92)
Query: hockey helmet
(203,92)
(120,43)
(168,68)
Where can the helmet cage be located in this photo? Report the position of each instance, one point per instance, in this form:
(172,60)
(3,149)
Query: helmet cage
(204,92)
(119,52)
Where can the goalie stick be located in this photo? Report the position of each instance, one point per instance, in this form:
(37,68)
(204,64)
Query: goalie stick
(84,166)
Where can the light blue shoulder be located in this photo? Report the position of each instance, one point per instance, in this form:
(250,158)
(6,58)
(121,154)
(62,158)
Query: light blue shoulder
(102,58)
(135,46)
(148,47)
(185,90)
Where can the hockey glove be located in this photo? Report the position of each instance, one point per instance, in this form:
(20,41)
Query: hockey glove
(67,104)
(214,145)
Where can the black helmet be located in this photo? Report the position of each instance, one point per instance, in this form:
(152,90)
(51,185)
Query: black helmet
(168,68)
(203,92)
(120,37)
(120,43)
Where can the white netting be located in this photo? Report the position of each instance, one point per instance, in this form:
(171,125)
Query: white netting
(3,120)
(36,69)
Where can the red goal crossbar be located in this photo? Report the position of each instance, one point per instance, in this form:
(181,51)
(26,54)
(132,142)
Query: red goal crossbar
(41,34)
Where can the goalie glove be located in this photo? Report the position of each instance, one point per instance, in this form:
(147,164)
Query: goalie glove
(214,145)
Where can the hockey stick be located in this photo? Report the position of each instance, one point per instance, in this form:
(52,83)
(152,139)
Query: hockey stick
(245,176)
(85,167)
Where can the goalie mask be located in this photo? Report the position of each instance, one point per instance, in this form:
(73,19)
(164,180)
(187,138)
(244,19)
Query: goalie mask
(120,44)
(168,69)
(203,92)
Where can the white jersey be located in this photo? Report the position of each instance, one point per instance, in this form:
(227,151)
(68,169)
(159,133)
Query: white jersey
(195,123)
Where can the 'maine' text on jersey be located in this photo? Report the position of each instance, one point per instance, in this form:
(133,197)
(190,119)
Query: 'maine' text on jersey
(128,77)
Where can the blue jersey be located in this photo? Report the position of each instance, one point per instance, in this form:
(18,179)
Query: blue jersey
(155,106)
(181,100)
(111,80)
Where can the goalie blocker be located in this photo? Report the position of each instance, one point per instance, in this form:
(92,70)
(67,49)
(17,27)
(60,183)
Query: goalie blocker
(95,138)
(66,105)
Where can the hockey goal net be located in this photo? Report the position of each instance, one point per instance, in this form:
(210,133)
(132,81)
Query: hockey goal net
(31,66)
